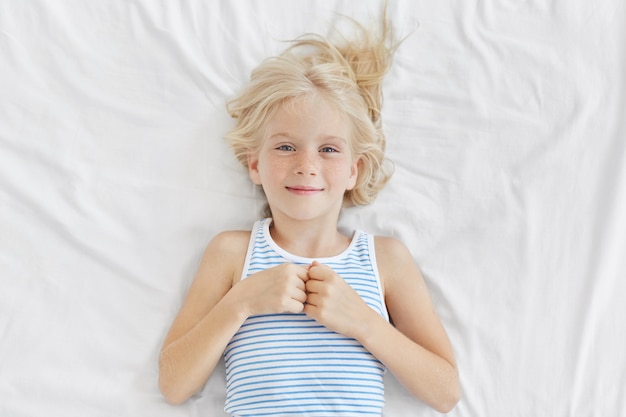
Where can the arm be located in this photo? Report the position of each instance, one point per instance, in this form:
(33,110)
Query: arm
(417,350)
(215,309)
(206,322)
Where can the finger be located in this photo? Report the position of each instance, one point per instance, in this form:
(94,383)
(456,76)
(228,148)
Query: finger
(294,306)
(310,310)
(313,286)
(303,274)
(320,272)
(298,283)
(299,295)
(313,299)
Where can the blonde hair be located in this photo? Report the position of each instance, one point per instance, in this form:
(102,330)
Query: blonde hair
(348,75)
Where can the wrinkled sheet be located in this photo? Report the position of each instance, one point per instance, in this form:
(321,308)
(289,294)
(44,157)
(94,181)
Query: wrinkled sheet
(505,120)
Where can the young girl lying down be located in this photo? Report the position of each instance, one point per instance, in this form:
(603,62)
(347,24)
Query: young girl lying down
(308,319)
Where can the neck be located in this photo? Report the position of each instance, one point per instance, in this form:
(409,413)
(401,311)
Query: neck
(317,238)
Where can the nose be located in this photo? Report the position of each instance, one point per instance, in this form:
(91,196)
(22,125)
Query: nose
(306,163)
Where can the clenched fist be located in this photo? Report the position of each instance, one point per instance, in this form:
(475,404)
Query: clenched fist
(281,289)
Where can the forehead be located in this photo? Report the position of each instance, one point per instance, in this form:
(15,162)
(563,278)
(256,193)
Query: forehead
(312,115)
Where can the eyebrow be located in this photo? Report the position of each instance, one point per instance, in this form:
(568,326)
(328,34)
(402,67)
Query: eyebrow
(325,137)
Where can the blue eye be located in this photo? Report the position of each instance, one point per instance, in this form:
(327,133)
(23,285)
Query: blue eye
(328,149)
(286,148)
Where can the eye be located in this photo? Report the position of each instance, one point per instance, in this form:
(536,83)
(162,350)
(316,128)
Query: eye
(328,149)
(285,148)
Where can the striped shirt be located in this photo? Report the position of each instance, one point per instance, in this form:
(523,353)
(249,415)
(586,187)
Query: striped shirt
(288,364)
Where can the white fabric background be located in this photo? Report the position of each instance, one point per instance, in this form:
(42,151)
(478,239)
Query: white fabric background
(505,120)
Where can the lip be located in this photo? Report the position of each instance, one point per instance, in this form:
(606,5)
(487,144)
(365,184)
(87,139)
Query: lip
(303,190)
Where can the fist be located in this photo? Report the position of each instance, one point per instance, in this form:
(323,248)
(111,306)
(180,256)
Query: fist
(332,302)
(281,289)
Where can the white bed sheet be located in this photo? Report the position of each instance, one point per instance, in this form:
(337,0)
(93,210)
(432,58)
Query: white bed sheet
(505,121)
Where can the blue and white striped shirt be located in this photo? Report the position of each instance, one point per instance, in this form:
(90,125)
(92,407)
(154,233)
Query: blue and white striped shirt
(288,364)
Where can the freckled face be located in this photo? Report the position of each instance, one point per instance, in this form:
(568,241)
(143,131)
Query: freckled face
(305,164)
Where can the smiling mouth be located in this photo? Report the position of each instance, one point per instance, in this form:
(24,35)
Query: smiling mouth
(301,190)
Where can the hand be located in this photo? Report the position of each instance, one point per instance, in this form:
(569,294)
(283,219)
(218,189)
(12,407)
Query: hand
(331,301)
(280,289)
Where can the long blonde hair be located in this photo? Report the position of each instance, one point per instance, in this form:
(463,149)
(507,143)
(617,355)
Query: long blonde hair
(349,75)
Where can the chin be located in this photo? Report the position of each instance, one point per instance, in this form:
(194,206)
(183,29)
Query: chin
(306,214)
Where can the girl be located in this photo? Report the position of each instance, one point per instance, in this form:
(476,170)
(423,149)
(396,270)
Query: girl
(308,318)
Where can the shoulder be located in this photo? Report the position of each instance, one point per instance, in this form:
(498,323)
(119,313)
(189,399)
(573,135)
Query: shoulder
(393,259)
(391,251)
(226,252)
(230,241)
(222,259)
(234,242)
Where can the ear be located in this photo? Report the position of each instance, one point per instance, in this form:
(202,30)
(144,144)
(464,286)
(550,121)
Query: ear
(253,168)
(354,173)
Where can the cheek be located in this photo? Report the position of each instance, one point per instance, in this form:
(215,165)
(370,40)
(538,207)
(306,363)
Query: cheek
(344,170)
(269,164)
(272,168)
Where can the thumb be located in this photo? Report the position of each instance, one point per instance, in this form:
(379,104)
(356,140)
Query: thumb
(318,271)
(314,264)
(303,273)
